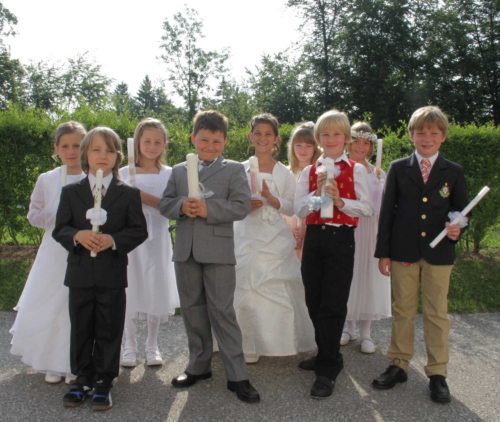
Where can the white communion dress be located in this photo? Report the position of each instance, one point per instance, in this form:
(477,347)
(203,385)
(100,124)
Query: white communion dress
(41,330)
(152,289)
(269,298)
(370,294)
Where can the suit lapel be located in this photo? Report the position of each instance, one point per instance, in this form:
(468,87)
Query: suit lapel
(112,193)
(414,172)
(213,169)
(84,193)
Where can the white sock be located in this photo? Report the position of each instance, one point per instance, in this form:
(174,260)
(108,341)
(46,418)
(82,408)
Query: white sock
(365,329)
(153,328)
(350,327)
(129,341)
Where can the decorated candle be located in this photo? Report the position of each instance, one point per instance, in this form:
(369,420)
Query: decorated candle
(131,161)
(327,205)
(192,176)
(97,201)
(64,173)
(254,175)
(378,161)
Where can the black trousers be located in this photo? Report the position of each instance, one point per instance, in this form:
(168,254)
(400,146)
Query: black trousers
(97,317)
(327,265)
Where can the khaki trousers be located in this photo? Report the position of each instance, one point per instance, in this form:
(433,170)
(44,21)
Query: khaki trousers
(407,281)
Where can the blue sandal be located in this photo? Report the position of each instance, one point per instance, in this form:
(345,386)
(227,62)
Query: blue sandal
(75,396)
(101,401)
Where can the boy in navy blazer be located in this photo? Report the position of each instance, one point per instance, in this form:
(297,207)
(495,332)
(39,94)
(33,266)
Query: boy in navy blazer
(419,193)
(97,284)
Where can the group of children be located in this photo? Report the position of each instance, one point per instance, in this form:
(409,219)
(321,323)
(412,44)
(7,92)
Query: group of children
(260,286)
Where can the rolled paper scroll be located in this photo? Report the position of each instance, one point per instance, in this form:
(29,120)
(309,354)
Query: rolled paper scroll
(97,201)
(131,161)
(463,213)
(192,176)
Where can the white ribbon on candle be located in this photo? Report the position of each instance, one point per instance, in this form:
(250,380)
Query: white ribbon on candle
(192,176)
(462,215)
(131,161)
(97,202)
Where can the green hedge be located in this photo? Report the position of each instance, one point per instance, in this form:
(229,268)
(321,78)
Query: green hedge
(26,139)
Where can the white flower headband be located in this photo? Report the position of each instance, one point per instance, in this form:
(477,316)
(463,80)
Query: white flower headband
(363,135)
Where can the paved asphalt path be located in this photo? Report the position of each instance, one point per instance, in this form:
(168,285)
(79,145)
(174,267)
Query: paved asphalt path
(145,394)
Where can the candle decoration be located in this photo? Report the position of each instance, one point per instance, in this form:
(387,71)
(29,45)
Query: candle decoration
(97,202)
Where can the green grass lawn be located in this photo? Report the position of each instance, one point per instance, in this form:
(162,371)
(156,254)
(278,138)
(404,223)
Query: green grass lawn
(475,282)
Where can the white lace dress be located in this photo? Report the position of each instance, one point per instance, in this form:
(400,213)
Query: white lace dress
(370,295)
(41,330)
(269,298)
(152,288)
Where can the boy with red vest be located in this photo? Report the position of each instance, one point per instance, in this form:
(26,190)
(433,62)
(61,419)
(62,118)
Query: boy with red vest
(328,256)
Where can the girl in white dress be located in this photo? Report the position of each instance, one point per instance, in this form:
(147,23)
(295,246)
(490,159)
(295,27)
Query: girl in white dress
(303,150)
(269,297)
(40,333)
(370,295)
(152,291)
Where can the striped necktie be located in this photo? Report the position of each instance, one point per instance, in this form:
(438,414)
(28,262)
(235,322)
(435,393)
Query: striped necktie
(425,168)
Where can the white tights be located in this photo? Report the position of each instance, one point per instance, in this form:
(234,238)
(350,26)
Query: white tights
(364,328)
(130,333)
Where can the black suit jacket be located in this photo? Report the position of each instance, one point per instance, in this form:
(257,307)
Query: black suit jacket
(413,213)
(125,223)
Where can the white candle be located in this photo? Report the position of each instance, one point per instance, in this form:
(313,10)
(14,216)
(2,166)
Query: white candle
(378,161)
(327,209)
(64,173)
(254,175)
(97,201)
(464,212)
(131,161)
(192,176)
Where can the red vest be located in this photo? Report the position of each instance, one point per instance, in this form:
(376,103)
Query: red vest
(345,184)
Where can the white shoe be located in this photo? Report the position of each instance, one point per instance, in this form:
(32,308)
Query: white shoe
(69,378)
(51,378)
(129,359)
(346,338)
(153,358)
(251,357)
(368,346)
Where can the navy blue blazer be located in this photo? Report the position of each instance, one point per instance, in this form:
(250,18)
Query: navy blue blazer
(125,223)
(413,213)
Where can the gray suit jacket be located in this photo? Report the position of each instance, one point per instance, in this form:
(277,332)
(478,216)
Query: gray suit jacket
(210,240)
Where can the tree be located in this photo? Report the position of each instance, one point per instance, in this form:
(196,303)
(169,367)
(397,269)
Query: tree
(145,100)
(191,68)
(43,86)
(121,99)
(83,81)
(7,23)
(278,86)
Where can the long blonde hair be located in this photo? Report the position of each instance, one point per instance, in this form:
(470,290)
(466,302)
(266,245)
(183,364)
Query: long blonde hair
(304,132)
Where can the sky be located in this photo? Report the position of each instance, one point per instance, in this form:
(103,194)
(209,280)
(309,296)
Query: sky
(124,37)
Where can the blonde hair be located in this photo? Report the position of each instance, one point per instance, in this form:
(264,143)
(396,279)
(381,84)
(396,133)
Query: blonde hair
(362,130)
(268,118)
(428,115)
(66,128)
(304,132)
(333,118)
(112,141)
(149,123)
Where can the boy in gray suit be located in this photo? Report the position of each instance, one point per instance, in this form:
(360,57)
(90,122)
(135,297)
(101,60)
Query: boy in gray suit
(204,255)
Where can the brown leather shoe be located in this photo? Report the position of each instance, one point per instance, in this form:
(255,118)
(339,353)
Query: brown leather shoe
(390,377)
(440,393)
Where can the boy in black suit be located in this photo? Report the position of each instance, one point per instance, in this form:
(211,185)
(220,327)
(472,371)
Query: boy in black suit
(419,193)
(97,284)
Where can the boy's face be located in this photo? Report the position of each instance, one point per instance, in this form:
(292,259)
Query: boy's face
(99,156)
(332,140)
(209,145)
(428,139)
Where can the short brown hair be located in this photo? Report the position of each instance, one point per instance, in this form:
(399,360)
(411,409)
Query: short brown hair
(149,123)
(428,115)
(113,142)
(211,120)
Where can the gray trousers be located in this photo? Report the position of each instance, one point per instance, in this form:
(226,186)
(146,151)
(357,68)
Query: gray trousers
(206,293)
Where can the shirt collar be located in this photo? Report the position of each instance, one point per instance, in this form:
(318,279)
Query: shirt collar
(343,157)
(105,180)
(432,159)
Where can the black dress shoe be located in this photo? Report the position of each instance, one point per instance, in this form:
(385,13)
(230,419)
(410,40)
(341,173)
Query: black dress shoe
(390,377)
(187,380)
(308,364)
(244,390)
(440,393)
(322,387)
